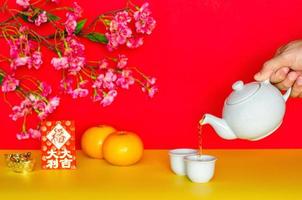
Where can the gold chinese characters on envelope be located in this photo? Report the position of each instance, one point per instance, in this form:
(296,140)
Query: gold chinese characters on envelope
(58,145)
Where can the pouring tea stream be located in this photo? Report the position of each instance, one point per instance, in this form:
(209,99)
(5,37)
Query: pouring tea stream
(252,111)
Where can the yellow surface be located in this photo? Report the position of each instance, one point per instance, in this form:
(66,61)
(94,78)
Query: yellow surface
(240,174)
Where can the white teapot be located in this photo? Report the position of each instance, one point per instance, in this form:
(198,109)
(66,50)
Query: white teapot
(251,112)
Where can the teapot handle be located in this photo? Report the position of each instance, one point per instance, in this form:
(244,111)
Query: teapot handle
(287,93)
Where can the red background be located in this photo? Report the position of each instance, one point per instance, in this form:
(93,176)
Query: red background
(198,49)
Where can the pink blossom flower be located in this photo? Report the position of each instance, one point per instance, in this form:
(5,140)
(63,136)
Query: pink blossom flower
(135,42)
(114,26)
(9,84)
(108,98)
(122,17)
(60,63)
(77,10)
(152,80)
(34,133)
(42,107)
(22,51)
(151,91)
(75,47)
(145,23)
(122,61)
(22,136)
(71,23)
(150,87)
(145,26)
(17,113)
(79,92)
(19,61)
(118,30)
(105,81)
(53,103)
(45,89)
(23,3)
(39,105)
(108,80)
(26,105)
(76,64)
(36,59)
(74,59)
(119,34)
(20,111)
(124,32)
(55,1)
(143,10)
(104,64)
(42,18)
(112,41)
(125,80)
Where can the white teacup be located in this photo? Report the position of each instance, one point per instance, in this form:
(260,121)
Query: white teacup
(177,162)
(200,168)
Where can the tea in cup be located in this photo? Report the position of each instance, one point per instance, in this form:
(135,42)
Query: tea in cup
(177,162)
(200,168)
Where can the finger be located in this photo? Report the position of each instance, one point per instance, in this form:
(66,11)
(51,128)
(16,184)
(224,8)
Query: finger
(279,75)
(289,81)
(289,46)
(271,66)
(280,50)
(297,88)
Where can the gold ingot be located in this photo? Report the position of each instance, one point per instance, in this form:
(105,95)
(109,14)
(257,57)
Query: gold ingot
(20,162)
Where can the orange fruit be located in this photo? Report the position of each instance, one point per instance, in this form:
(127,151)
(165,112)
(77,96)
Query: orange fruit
(123,148)
(93,139)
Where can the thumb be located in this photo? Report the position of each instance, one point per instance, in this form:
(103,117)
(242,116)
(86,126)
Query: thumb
(272,66)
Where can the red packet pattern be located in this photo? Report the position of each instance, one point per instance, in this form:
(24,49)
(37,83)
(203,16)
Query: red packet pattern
(58,145)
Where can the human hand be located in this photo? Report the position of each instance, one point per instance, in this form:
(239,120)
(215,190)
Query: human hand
(285,68)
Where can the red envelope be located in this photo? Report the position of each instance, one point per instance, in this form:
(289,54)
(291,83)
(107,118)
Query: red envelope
(58,145)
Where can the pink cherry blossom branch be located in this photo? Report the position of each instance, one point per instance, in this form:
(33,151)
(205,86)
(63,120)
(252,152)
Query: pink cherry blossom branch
(104,78)
(37,100)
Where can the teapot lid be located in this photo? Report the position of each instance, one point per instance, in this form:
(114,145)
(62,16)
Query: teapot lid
(242,92)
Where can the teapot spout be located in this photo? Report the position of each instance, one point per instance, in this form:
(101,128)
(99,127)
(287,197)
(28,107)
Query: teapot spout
(220,126)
